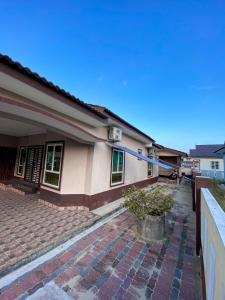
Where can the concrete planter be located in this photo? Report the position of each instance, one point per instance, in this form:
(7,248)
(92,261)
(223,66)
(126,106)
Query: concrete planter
(151,228)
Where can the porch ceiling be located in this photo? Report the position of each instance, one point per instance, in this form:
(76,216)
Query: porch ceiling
(17,128)
(40,120)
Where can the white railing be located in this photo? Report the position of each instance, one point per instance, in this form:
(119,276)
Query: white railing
(213,245)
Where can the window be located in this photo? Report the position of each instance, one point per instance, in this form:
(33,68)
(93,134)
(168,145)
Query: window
(117,167)
(150,169)
(21,161)
(139,152)
(150,166)
(215,164)
(53,163)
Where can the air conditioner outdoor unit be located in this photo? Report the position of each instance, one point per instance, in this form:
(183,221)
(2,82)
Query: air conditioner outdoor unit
(115,134)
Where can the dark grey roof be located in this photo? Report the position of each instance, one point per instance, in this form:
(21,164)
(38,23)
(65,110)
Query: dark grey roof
(221,150)
(206,151)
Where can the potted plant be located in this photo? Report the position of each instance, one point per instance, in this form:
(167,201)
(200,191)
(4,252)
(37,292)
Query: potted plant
(150,207)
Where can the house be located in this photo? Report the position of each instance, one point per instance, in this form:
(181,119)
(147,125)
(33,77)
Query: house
(169,156)
(73,153)
(222,152)
(208,160)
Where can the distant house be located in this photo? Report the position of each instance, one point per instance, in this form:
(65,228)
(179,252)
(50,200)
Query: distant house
(169,156)
(71,152)
(208,161)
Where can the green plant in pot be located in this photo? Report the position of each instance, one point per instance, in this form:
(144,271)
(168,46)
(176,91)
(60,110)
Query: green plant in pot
(150,207)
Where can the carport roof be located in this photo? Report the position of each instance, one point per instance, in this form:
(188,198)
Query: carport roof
(174,151)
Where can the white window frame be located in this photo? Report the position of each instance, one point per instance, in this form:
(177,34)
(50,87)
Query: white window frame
(150,155)
(150,168)
(215,165)
(117,172)
(139,152)
(52,171)
(19,164)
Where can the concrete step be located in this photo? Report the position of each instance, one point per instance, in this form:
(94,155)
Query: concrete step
(26,187)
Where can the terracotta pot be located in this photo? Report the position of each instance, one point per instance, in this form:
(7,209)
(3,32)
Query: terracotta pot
(152,228)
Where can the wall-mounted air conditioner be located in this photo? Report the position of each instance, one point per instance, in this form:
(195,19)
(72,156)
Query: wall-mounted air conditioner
(115,134)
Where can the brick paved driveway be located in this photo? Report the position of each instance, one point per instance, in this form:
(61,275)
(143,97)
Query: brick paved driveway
(29,228)
(110,263)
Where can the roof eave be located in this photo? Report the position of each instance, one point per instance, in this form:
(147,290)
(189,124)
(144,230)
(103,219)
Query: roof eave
(16,66)
(129,125)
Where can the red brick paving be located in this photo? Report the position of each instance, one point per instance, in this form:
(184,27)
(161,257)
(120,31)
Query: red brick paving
(111,263)
(28,227)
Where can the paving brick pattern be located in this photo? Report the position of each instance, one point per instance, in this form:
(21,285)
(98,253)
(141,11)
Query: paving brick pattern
(28,228)
(111,263)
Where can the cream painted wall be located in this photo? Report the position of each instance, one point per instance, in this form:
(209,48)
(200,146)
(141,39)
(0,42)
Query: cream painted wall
(101,167)
(76,165)
(86,169)
(213,244)
(74,173)
(205,164)
(135,170)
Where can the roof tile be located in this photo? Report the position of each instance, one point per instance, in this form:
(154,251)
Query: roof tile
(206,151)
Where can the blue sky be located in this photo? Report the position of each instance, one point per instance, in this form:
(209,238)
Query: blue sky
(158,64)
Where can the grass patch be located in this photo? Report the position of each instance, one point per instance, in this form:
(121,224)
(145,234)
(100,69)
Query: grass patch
(218,194)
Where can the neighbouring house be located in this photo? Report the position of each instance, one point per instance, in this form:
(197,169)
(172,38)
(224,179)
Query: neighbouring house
(73,153)
(208,160)
(171,157)
(222,152)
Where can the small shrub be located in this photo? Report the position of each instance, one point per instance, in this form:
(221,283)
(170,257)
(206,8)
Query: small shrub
(142,203)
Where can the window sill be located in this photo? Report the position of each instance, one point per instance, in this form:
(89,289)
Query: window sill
(50,186)
(19,176)
(116,184)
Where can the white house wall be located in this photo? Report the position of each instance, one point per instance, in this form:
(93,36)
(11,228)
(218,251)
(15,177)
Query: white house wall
(206,170)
